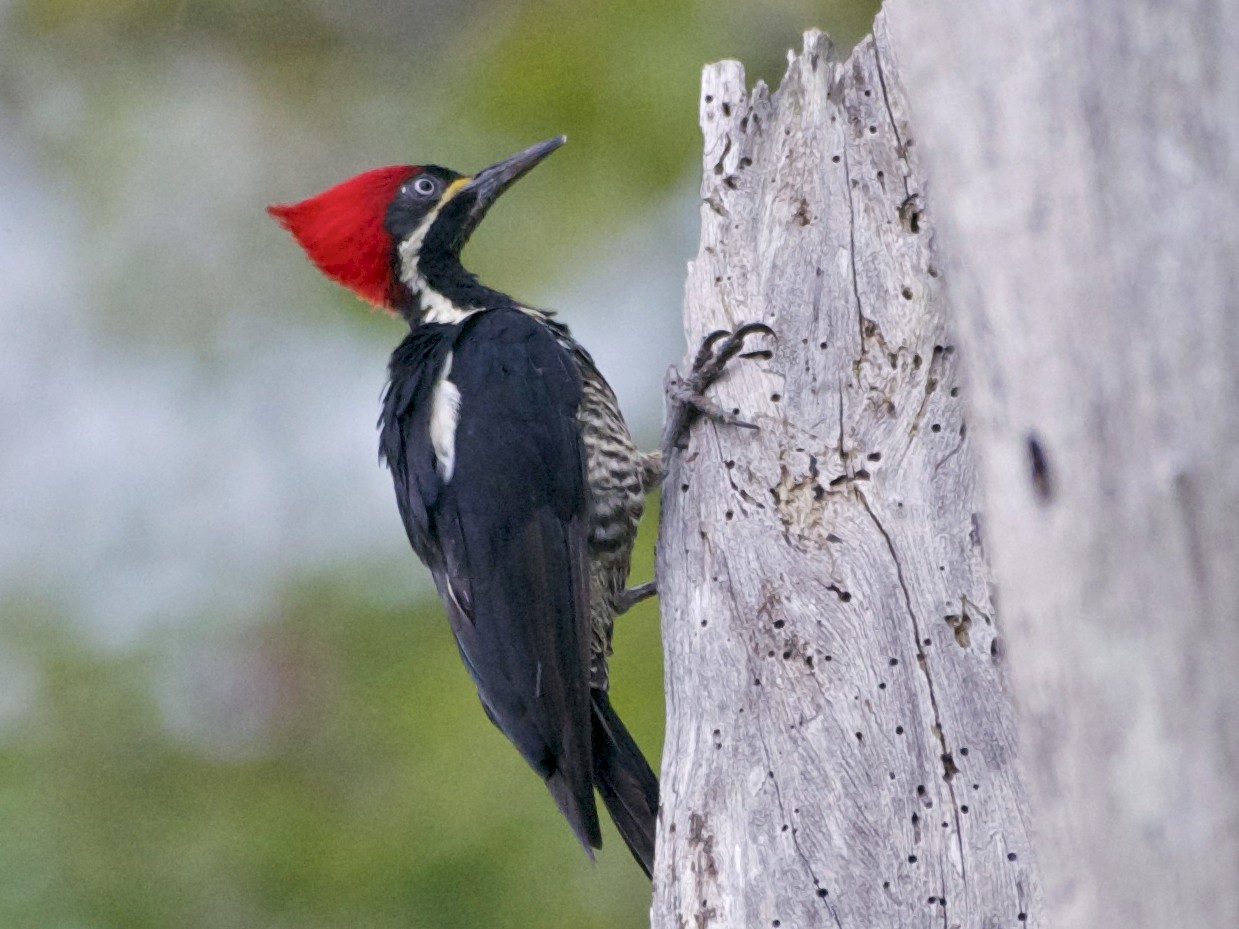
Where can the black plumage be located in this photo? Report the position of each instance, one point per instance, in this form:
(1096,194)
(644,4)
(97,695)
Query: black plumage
(516,478)
(505,538)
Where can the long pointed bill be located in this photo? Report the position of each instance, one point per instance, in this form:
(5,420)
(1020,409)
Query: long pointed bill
(489,183)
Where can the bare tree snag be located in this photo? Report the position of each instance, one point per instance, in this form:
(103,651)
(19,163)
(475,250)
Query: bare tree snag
(1085,161)
(840,749)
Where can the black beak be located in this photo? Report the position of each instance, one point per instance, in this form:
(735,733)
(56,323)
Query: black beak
(489,183)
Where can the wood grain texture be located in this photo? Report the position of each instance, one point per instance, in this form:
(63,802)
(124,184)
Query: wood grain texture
(1085,160)
(840,750)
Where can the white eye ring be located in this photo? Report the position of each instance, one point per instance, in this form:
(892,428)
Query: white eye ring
(424,186)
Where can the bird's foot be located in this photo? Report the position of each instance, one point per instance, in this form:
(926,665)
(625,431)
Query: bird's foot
(651,471)
(686,395)
(634,595)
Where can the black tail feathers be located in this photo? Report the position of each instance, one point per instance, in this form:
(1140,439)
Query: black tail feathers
(624,780)
(578,808)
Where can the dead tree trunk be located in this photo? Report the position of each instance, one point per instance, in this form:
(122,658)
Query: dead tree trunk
(840,748)
(1085,160)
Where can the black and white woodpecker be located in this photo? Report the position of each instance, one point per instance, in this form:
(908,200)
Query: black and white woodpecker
(516,477)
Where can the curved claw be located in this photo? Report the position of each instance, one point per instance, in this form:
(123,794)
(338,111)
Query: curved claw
(732,342)
(709,364)
(705,352)
(714,337)
(749,329)
(688,393)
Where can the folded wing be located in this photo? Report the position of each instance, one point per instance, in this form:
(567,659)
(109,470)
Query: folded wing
(479,429)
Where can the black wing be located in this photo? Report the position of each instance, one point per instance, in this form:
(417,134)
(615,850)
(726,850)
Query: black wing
(505,532)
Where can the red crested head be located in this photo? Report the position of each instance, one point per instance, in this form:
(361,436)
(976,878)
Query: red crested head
(391,235)
(343,232)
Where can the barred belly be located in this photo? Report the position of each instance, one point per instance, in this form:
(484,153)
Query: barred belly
(617,499)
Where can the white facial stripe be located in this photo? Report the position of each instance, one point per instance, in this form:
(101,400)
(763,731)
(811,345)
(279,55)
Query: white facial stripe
(444,416)
(411,248)
(437,308)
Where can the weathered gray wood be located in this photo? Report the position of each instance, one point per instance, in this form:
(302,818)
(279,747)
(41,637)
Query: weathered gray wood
(1085,164)
(840,750)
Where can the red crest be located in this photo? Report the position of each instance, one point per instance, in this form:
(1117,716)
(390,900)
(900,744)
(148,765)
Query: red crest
(342,231)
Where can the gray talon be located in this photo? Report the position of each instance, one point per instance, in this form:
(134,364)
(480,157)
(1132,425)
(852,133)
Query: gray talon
(687,394)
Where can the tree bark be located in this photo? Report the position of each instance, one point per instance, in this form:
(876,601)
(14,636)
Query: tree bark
(1085,159)
(840,748)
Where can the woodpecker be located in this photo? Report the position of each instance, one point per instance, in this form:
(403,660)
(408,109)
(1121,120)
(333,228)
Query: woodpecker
(516,478)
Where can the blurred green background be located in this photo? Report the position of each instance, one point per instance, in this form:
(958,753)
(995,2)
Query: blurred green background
(227,694)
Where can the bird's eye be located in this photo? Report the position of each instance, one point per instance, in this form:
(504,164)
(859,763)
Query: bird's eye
(424,186)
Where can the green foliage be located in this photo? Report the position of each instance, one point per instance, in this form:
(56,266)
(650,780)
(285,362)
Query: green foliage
(459,84)
(328,765)
(375,792)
